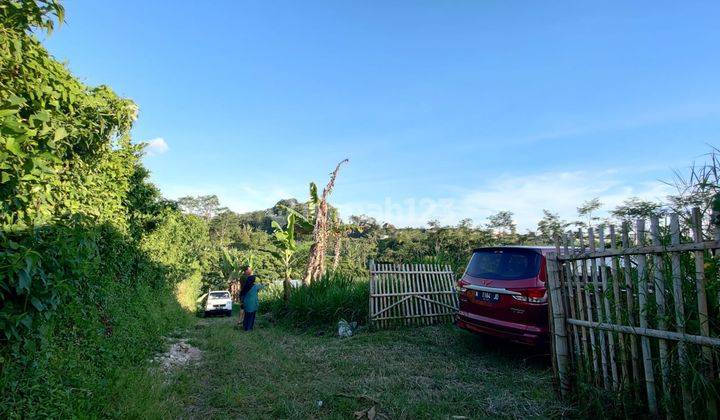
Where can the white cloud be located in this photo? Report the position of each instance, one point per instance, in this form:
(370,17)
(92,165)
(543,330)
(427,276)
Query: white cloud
(156,146)
(526,197)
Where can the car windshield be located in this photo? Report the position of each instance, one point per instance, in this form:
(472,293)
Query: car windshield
(504,264)
(219,295)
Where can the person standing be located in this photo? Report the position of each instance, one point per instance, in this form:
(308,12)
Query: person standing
(249,298)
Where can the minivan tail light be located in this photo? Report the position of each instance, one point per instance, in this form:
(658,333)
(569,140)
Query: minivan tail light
(531,295)
(461,285)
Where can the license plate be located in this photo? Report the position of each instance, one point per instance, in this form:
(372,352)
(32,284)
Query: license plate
(487,297)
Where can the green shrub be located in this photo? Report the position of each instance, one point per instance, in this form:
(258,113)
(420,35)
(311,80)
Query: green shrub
(323,302)
(90,255)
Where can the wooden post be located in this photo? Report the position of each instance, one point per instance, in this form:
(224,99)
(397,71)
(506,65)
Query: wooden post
(558,323)
(571,297)
(588,306)
(424,285)
(385,300)
(371,303)
(630,300)
(614,270)
(707,367)
(597,292)
(642,316)
(403,283)
(607,317)
(581,307)
(680,315)
(659,286)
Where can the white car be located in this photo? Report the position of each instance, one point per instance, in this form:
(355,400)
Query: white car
(218,302)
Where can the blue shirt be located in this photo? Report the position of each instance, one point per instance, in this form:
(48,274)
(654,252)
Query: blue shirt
(250,301)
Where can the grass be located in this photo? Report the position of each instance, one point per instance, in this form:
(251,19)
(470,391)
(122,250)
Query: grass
(95,361)
(323,302)
(427,372)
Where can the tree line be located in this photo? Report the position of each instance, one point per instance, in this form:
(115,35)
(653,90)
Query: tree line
(261,237)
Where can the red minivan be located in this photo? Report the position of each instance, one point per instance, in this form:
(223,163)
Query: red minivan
(502,293)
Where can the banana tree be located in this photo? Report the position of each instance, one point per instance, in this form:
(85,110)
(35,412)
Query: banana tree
(316,260)
(230,269)
(285,241)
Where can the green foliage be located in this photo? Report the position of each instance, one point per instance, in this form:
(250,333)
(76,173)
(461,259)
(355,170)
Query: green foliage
(322,302)
(205,206)
(90,255)
(504,226)
(285,240)
(21,15)
(550,227)
(634,208)
(66,165)
(587,209)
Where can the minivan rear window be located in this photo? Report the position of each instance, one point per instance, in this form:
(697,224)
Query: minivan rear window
(504,264)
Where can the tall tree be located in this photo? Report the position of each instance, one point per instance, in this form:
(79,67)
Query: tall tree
(634,208)
(503,226)
(205,206)
(587,209)
(551,226)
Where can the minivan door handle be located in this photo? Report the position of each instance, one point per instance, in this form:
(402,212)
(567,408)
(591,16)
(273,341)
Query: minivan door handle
(499,290)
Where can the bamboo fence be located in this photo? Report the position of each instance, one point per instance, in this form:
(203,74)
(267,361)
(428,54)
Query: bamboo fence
(411,294)
(632,319)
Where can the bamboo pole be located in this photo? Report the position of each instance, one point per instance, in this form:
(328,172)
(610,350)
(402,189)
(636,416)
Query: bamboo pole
(404,288)
(650,333)
(581,307)
(680,316)
(614,270)
(426,306)
(450,284)
(588,306)
(571,298)
(630,300)
(394,288)
(411,287)
(597,291)
(431,288)
(659,286)
(430,281)
(421,293)
(558,324)
(371,300)
(610,337)
(702,305)
(453,283)
(443,286)
(386,286)
(400,318)
(649,249)
(378,289)
(642,316)
(422,308)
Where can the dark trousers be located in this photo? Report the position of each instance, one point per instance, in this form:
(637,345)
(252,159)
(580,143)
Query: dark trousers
(249,321)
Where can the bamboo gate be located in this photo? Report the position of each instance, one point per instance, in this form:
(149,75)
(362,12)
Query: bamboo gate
(634,319)
(411,294)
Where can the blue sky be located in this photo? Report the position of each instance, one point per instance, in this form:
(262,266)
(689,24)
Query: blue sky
(446,109)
